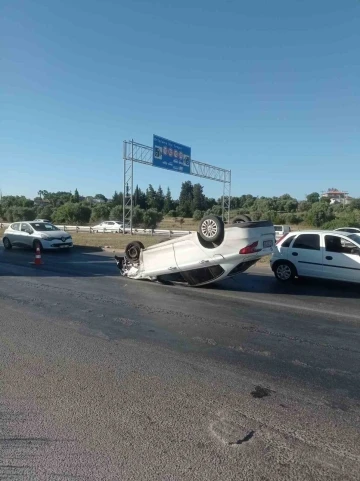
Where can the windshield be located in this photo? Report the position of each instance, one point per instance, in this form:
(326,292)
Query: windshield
(43,226)
(355,238)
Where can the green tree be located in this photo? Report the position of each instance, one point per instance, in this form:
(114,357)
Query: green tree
(290,205)
(160,199)
(100,212)
(304,206)
(355,204)
(216,209)
(199,201)
(76,197)
(116,212)
(313,198)
(197,215)
(292,218)
(117,198)
(319,213)
(18,213)
(168,202)
(138,216)
(151,198)
(186,199)
(100,197)
(45,212)
(72,213)
(151,218)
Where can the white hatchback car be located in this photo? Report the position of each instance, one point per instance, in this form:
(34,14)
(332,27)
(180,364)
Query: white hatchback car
(331,255)
(108,226)
(211,254)
(36,234)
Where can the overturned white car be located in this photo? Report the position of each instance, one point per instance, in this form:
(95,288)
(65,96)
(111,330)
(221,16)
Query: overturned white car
(209,255)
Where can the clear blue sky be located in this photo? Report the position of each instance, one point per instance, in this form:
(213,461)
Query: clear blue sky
(268,89)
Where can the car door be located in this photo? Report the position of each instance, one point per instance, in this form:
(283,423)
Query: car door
(341,259)
(110,226)
(189,255)
(26,239)
(306,254)
(159,260)
(14,234)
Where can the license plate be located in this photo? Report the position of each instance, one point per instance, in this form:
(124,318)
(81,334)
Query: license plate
(267,243)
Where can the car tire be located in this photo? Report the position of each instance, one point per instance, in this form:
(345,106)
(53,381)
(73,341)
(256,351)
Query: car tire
(133,250)
(37,244)
(7,243)
(211,228)
(284,271)
(239,219)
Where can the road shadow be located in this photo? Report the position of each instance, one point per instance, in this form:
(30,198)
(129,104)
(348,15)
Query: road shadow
(81,261)
(253,282)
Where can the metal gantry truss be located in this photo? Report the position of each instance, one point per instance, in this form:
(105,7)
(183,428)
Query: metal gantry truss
(143,154)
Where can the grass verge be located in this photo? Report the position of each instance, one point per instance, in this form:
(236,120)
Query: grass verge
(111,241)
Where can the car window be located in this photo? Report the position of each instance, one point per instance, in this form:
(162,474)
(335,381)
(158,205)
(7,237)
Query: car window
(25,227)
(355,237)
(43,227)
(278,227)
(307,241)
(15,226)
(111,223)
(288,241)
(338,244)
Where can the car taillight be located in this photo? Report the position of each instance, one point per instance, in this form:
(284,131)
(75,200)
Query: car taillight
(250,249)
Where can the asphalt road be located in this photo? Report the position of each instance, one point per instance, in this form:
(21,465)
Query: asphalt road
(104,378)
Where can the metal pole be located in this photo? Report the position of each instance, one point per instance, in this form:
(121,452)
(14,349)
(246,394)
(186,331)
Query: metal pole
(223,201)
(124,202)
(132,185)
(229,207)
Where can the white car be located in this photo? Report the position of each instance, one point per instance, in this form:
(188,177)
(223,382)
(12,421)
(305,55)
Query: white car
(211,254)
(281,230)
(331,255)
(108,226)
(36,234)
(350,230)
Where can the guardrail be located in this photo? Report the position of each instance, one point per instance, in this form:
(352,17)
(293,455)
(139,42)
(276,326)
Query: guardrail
(136,231)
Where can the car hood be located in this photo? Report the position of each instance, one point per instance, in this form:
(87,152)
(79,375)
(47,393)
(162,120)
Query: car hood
(58,234)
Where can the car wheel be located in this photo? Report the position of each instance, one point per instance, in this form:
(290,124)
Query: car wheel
(7,243)
(37,244)
(211,228)
(241,218)
(284,271)
(133,249)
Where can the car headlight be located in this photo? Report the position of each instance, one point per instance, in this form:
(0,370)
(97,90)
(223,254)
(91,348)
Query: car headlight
(45,237)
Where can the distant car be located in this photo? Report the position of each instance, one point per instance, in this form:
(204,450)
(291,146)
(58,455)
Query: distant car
(331,255)
(108,226)
(36,234)
(209,255)
(42,220)
(350,230)
(281,231)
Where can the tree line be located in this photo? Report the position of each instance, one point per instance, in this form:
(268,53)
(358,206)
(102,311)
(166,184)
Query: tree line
(151,205)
